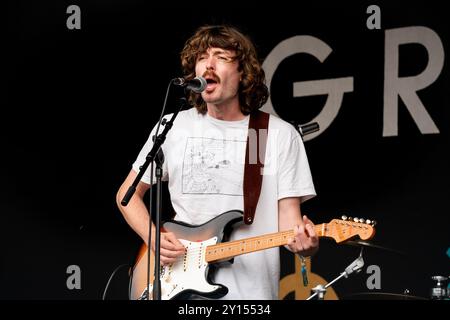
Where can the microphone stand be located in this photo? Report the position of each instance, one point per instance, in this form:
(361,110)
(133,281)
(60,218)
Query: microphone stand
(356,265)
(153,156)
(305,129)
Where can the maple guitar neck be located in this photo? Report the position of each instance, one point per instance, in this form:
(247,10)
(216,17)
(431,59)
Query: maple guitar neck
(231,249)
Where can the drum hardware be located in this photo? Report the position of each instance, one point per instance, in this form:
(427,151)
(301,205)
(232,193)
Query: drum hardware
(319,291)
(439,291)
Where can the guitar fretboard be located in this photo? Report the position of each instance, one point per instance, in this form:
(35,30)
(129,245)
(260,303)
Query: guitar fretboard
(231,249)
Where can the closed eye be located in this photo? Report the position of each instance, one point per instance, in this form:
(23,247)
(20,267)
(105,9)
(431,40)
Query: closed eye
(224,58)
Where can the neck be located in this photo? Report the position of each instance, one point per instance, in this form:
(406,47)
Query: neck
(235,248)
(225,112)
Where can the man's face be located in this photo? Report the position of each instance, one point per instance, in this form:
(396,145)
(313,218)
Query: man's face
(220,70)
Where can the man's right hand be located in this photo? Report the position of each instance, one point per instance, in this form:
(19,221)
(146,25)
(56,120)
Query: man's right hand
(171,248)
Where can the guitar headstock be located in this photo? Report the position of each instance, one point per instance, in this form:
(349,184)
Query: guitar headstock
(347,227)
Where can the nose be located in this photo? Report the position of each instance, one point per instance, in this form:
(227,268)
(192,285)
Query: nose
(210,63)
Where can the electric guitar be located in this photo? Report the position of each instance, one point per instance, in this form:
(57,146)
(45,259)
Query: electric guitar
(190,273)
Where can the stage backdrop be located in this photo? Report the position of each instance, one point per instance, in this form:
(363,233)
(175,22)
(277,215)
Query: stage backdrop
(86,82)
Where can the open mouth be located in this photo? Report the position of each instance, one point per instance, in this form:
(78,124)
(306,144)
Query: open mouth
(211,81)
(211,84)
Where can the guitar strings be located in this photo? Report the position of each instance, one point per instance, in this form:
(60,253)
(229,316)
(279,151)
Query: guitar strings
(194,252)
(237,244)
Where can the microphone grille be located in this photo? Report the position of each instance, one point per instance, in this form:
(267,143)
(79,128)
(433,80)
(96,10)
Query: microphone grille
(202,85)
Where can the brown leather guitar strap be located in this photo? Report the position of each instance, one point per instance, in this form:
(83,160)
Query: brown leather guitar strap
(255,152)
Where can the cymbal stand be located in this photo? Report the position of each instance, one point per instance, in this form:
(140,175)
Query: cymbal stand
(320,290)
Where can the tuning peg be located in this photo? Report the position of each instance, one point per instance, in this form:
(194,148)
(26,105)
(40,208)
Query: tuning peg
(344,217)
(361,220)
(355,219)
(374,223)
(368,221)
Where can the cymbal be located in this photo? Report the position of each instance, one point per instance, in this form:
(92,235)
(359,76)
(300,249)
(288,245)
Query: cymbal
(360,243)
(381,296)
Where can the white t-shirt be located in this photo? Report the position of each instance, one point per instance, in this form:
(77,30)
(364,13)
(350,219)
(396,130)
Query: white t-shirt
(204,164)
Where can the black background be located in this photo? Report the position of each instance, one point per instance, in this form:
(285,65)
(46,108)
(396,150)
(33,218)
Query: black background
(80,104)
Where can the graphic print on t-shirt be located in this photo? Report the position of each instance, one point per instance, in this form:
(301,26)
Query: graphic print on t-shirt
(213,166)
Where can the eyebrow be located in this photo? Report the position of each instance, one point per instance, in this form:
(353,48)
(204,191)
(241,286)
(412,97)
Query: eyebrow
(218,52)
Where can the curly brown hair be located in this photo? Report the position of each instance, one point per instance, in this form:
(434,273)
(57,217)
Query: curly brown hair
(253,92)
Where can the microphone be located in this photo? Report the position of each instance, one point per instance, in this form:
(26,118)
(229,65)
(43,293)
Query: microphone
(308,128)
(198,84)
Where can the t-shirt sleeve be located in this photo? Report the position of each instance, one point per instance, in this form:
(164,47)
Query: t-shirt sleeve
(294,175)
(140,160)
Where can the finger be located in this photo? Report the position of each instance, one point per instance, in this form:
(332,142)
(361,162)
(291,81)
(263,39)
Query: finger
(290,241)
(170,246)
(298,244)
(306,220)
(310,230)
(171,238)
(301,229)
(164,261)
(293,247)
(170,253)
(310,242)
(162,242)
(171,256)
(295,243)
(303,238)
